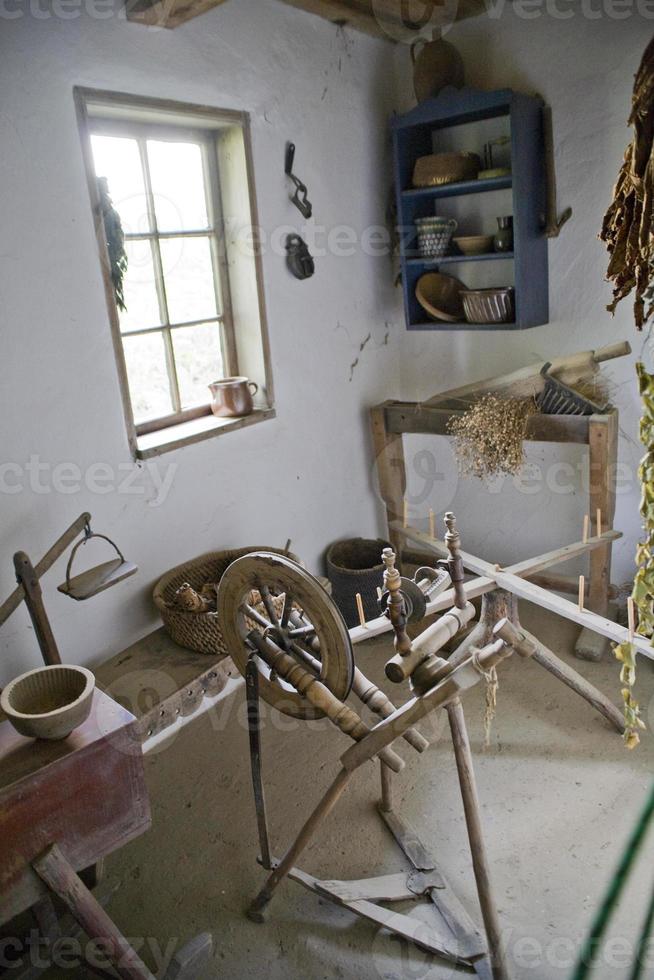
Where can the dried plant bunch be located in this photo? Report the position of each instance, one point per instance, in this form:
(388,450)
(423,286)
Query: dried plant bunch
(489,436)
(628,227)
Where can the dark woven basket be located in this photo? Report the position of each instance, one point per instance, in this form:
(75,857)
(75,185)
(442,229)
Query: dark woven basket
(355,565)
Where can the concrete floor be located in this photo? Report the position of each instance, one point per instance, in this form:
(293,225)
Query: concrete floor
(559,794)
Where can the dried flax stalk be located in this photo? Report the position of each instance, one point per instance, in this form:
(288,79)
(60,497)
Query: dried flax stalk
(628,226)
(489,436)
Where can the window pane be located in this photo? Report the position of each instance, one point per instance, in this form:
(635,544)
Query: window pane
(118,159)
(189,280)
(177,178)
(148,377)
(140,289)
(199,362)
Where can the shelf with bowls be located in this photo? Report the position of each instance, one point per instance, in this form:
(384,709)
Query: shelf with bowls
(455,259)
(426,136)
(458,188)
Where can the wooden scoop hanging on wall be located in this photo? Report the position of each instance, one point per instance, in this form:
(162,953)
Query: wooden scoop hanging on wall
(100,577)
(81,586)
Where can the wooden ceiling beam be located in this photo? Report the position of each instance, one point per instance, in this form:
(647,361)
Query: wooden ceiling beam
(378,18)
(167,13)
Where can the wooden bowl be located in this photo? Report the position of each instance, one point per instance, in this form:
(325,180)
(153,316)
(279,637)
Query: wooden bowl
(440,296)
(475,244)
(49,702)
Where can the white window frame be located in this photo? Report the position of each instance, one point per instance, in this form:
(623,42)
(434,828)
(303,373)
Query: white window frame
(143,119)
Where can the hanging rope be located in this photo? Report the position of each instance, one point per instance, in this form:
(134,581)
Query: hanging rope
(492,685)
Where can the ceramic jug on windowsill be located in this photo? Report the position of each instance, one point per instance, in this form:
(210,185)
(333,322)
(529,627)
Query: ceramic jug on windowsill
(232,397)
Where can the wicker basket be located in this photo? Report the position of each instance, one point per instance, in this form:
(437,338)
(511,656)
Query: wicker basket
(445,168)
(199,631)
(355,565)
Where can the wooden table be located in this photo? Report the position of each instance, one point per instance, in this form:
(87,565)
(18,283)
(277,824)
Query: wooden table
(63,807)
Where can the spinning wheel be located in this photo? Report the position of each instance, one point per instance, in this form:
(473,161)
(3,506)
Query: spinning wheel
(267,597)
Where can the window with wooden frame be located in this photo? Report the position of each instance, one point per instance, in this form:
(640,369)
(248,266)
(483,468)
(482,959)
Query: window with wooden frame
(191,308)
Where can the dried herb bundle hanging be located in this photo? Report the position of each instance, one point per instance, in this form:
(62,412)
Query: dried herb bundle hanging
(628,231)
(629,222)
(489,436)
(115,238)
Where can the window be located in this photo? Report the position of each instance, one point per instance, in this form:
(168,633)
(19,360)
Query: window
(179,179)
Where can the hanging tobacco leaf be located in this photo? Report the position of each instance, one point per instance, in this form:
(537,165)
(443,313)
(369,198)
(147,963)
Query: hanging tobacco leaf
(115,237)
(628,226)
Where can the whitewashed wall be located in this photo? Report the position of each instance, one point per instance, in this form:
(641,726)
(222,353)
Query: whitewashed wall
(305,475)
(584,69)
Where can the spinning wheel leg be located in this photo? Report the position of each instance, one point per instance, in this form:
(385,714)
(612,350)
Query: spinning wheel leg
(572,679)
(326,805)
(386,805)
(463,757)
(500,604)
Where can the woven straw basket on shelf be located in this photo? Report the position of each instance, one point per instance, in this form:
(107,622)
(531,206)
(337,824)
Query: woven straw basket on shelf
(199,631)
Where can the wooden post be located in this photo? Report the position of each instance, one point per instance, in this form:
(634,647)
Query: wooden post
(603,445)
(29,580)
(463,756)
(391,472)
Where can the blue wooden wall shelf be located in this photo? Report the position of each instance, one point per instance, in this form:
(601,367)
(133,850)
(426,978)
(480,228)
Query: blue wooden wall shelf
(415,135)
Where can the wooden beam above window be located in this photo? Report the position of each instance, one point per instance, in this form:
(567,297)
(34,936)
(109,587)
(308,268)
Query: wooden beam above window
(167,13)
(378,18)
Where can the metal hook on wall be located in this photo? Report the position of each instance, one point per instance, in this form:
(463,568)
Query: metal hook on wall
(300,197)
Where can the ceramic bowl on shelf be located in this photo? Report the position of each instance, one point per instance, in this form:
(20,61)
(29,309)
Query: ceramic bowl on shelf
(475,244)
(49,702)
(440,297)
(495,305)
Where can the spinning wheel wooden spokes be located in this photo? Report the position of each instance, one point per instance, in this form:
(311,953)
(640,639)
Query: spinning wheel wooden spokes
(275,597)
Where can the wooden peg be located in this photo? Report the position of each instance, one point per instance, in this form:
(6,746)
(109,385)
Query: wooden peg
(582,589)
(599,522)
(631,618)
(405,513)
(362,615)
(432,529)
(586,528)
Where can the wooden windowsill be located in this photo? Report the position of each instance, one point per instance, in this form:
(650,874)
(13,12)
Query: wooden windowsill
(195,430)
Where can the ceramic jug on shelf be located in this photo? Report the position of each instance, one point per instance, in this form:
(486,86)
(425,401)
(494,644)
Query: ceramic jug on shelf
(436,63)
(232,397)
(503,239)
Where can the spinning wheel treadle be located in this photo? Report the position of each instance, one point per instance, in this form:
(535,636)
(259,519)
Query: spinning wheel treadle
(277,598)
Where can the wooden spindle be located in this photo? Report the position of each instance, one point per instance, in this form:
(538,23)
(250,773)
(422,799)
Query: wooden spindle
(599,522)
(362,615)
(405,513)
(582,589)
(432,528)
(586,528)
